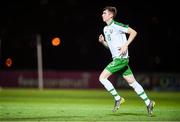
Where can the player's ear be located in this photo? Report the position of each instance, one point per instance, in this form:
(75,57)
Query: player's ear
(110,14)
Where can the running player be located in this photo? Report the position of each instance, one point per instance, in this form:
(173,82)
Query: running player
(115,39)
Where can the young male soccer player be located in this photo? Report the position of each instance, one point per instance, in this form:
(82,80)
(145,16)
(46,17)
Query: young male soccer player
(115,39)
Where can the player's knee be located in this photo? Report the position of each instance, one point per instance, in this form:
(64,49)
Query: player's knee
(102,80)
(130,79)
(133,84)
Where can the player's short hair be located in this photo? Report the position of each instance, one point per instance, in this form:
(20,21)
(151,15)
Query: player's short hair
(112,9)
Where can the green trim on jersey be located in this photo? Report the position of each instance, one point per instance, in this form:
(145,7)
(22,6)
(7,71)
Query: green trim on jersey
(121,24)
(119,64)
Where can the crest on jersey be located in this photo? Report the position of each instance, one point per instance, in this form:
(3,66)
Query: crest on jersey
(111,31)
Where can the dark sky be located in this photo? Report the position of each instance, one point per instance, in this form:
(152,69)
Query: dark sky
(78,23)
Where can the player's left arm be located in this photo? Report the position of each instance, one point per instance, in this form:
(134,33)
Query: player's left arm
(132,34)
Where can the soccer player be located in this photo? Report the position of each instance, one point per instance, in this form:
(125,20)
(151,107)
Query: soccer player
(115,39)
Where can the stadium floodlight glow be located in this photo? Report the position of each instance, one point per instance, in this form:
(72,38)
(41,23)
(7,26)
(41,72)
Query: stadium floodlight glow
(8,62)
(56,41)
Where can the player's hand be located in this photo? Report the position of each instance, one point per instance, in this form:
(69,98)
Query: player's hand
(101,38)
(123,49)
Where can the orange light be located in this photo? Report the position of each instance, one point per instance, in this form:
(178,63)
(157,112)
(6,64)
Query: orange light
(8,62)
(56,41)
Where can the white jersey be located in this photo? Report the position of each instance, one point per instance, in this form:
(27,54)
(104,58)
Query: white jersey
(115,35)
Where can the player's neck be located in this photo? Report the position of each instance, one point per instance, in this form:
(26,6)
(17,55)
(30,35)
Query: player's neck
(109,22)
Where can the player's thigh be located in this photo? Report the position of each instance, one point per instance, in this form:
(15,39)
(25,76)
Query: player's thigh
(105,74)
(129,78)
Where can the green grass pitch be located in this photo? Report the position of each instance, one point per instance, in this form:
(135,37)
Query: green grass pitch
(84,105)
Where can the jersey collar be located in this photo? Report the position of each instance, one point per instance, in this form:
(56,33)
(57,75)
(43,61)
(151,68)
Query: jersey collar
(110,22)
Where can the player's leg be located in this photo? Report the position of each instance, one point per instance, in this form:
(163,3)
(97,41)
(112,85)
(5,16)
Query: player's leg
(140,91)
(111,68)
(103,78)
(137,88)
(110,88)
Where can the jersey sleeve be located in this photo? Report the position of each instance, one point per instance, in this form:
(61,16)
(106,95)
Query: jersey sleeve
(121,27)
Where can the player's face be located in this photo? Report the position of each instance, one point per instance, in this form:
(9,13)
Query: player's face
(106,16)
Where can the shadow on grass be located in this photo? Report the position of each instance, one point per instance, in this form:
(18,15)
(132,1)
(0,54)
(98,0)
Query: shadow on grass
(127,113)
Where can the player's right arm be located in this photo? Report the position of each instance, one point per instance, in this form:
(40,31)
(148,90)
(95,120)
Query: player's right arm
(102,40)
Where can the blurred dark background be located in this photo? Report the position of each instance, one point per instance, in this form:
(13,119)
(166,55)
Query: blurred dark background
(78,23)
